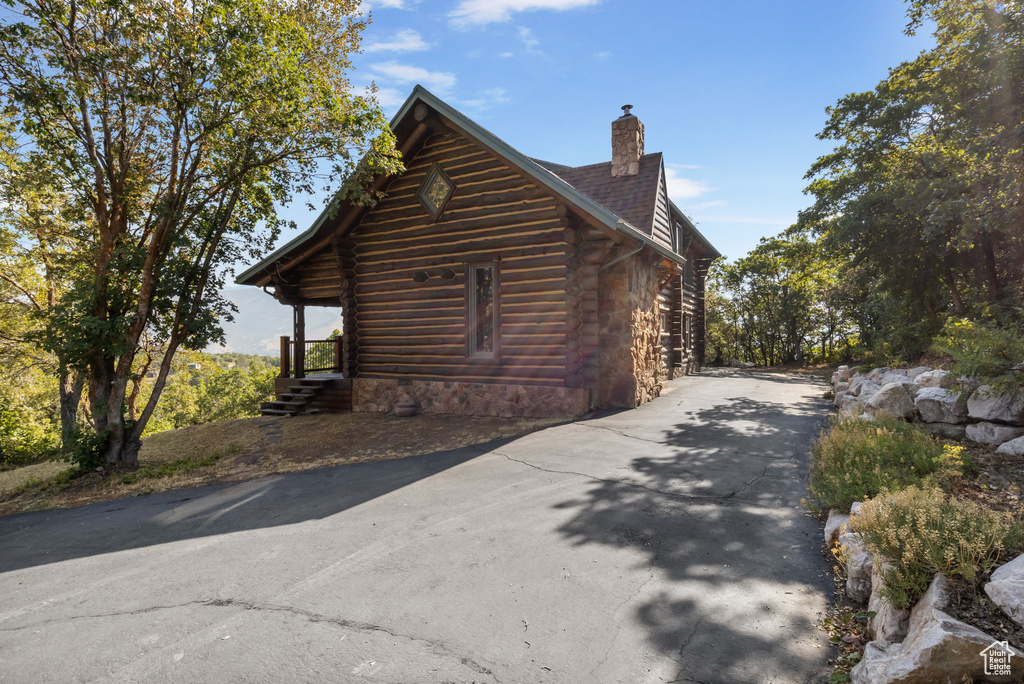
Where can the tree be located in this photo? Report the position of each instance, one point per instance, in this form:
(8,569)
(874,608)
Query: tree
(922,196)
(175,129)
(778,304)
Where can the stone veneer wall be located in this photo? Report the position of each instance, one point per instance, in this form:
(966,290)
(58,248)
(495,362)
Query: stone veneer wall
(371,395)
(646,329)
(627,145)
(629,356)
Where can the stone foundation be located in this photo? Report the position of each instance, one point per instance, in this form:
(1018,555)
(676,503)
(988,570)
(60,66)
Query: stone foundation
(469,398)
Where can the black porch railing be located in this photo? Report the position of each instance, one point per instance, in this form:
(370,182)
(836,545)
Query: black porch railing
(299,359)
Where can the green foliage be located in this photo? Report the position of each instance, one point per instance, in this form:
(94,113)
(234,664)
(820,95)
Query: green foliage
(922,531)
(230,360)
(205,393)
(22,440)
(921,196)
(992,354)
(165,137)
(856,460)
(84,448)
(29,425)
(780,303)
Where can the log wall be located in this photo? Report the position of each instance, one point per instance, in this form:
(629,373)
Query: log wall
(409,276)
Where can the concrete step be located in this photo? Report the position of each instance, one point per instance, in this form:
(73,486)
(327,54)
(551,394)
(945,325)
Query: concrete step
(275,412)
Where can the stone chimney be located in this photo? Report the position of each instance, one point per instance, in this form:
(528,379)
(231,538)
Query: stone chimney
(627,144)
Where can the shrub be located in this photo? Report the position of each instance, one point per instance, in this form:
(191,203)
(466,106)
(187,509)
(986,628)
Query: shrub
(856,460)
(923,531)
(987,352)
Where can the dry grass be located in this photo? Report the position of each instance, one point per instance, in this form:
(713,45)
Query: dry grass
(16,478)
(254,447)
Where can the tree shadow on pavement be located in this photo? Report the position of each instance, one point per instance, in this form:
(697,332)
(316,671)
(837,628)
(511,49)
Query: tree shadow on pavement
(716,511)
(31,539)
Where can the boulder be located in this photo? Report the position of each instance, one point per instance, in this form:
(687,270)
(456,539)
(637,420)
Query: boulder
(938,405)
(912,389)
(937,650)
(842,386)
(863,388)
(885,375)
(1000,408)
(935,378)
(990,433)
(946,430)
(858,566)
(851,408)
(836,524)
(1015,447)
(936,597)
(892,400)
(968,384)
(915,373)
(837,401)
(1007,589)
(889,622)
(842,374)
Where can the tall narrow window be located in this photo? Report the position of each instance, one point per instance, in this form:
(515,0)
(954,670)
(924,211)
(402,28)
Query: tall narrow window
(483,311)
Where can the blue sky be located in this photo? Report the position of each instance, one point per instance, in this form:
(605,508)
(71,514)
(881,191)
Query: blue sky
(732,93)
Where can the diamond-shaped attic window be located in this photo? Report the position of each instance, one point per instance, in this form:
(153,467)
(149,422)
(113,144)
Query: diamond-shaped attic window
(436,190)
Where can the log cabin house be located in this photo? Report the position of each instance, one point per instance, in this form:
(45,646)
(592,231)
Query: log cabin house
(489,283)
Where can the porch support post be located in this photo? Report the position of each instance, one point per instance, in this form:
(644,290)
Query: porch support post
(286,356)
(300,340)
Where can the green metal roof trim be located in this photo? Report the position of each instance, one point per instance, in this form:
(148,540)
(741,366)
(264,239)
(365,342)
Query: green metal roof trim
(502,149)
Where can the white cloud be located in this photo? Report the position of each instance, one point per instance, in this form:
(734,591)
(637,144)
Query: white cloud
(487,11)
(707,205)
(602,55)
(507,54)
(486,98)
(404,74)
(685,166)
(529,41)
(367,5)
(405,40)
(684,188)
(390,97)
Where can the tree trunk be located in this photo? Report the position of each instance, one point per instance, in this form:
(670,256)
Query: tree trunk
(954,293)
(70,395)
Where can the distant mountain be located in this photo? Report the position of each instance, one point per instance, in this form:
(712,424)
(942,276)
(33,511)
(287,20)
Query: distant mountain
(261,320)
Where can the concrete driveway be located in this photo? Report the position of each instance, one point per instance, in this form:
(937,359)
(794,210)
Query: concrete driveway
(662,544)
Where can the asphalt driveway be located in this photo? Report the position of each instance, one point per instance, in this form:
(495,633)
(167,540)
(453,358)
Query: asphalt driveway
(662,544)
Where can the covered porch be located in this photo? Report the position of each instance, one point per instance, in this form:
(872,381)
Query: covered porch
(310,378)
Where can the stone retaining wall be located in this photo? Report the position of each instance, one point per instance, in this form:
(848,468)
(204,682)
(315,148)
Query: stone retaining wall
(469,398)
(949,406)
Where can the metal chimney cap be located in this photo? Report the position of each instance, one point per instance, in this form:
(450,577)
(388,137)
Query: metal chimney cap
(625,110)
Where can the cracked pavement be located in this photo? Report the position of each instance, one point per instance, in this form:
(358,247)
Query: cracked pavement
(664,544)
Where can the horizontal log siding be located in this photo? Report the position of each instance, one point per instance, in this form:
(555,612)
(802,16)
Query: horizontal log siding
(318,278)
(418,330)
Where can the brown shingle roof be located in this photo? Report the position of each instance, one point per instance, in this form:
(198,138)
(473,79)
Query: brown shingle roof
(631,198)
